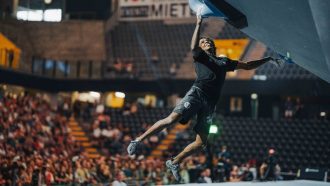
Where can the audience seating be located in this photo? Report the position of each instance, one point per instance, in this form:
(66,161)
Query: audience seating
(139,40)
(288,71)
(230,32)
(135,121)
(298,143)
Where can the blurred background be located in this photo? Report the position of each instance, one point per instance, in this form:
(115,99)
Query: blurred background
(80,79)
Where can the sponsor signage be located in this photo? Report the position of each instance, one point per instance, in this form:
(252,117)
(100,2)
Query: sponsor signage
(131,10)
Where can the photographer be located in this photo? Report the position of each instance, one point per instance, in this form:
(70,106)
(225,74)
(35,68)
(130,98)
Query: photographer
(225,162)
(269,168)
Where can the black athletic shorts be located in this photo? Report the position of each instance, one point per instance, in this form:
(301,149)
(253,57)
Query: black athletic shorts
(196,102)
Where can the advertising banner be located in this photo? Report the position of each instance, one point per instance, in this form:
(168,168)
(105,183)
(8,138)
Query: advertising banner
(132,10)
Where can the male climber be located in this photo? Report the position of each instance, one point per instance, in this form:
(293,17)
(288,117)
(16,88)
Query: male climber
(202,97)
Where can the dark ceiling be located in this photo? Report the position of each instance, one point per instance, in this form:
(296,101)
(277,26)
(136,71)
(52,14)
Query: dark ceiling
(39,4)
(76,9)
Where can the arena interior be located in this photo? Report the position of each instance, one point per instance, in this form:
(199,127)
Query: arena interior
(80,79)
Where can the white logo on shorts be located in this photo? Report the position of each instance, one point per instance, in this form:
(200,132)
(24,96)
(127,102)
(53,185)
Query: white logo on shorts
(187,105)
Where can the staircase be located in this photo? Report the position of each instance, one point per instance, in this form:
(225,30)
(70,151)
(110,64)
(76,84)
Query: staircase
(170,139)
(80,136)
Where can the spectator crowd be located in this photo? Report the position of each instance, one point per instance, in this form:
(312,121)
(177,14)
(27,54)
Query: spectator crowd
(36,148)
(35,145)
(123,67)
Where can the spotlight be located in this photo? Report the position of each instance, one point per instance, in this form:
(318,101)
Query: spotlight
(48,1)
(254,96)
(213,129)
(95,94)
(120,94)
